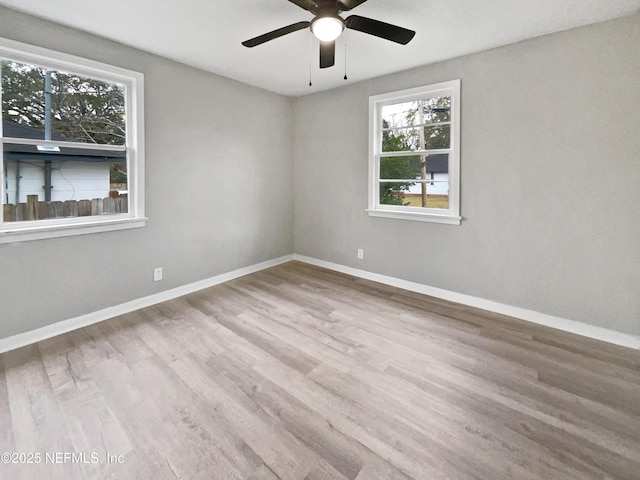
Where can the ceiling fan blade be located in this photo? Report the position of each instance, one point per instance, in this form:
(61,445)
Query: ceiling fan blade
(346,5)
(275,34)
(380,29)
(327,54)
(308,5)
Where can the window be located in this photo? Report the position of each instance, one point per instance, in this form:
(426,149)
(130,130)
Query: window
(414,170)
(72,145)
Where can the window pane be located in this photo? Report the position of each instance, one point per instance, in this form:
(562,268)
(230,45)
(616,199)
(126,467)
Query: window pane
(432,200)
(401,167)
(439,200)
(437,164)
(81,109)
(70,183)
(417,112)
(437,109)
(393,193)
(400,114)
(430,188)
(429,194)
(414,166)
(421,194)
(402,140)
(437,137)
(410,139)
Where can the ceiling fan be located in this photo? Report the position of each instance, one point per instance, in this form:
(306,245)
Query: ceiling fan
(327,25)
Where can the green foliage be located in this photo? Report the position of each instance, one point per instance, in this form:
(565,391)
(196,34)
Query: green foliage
(434,112)
(395,167)
(82,109)
(118,173)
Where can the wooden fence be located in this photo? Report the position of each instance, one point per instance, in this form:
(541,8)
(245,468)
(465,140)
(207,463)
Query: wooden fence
(38,210)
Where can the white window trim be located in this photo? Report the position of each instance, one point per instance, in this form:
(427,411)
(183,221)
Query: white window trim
(134,83)
(375,209)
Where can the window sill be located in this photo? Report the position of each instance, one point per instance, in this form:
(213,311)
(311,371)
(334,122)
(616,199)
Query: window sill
(54,231)
(415,216)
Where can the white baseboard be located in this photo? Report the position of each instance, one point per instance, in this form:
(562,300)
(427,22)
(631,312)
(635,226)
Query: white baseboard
(33,336)
(572,326)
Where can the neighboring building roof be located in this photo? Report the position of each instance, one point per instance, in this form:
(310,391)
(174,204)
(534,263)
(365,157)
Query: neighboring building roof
(15,130)
(438,163)
(14,151)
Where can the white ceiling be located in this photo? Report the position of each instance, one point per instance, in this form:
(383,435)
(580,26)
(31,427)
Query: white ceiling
(207,33)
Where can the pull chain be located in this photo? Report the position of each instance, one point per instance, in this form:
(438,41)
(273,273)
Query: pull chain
(311,56)
(310,48)
(345,55)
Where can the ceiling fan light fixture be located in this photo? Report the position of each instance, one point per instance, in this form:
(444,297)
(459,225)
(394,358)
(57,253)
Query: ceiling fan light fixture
(327,29)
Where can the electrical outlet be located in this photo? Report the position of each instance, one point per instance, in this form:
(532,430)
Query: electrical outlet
(157,274)
(360,254)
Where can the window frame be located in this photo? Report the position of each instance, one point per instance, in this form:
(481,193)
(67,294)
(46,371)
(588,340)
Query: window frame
(450,216)
(17,231)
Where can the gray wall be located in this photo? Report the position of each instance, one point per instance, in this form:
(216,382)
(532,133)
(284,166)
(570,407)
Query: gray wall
(550,163)
(550,178)
(218,191)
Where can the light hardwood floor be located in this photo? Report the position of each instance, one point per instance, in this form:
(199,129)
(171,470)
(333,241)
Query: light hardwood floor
(302,373)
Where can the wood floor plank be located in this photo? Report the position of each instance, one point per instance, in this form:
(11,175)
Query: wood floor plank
(164,416)
(271,344)
(322,471)
(92,343)
(343,453)
(531,427)
(600,418)
(37,421)
(91,425)
(559,413)
(280,451)
(263,473)
(7,443)
(301,373)
(399,445)
(446,428)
